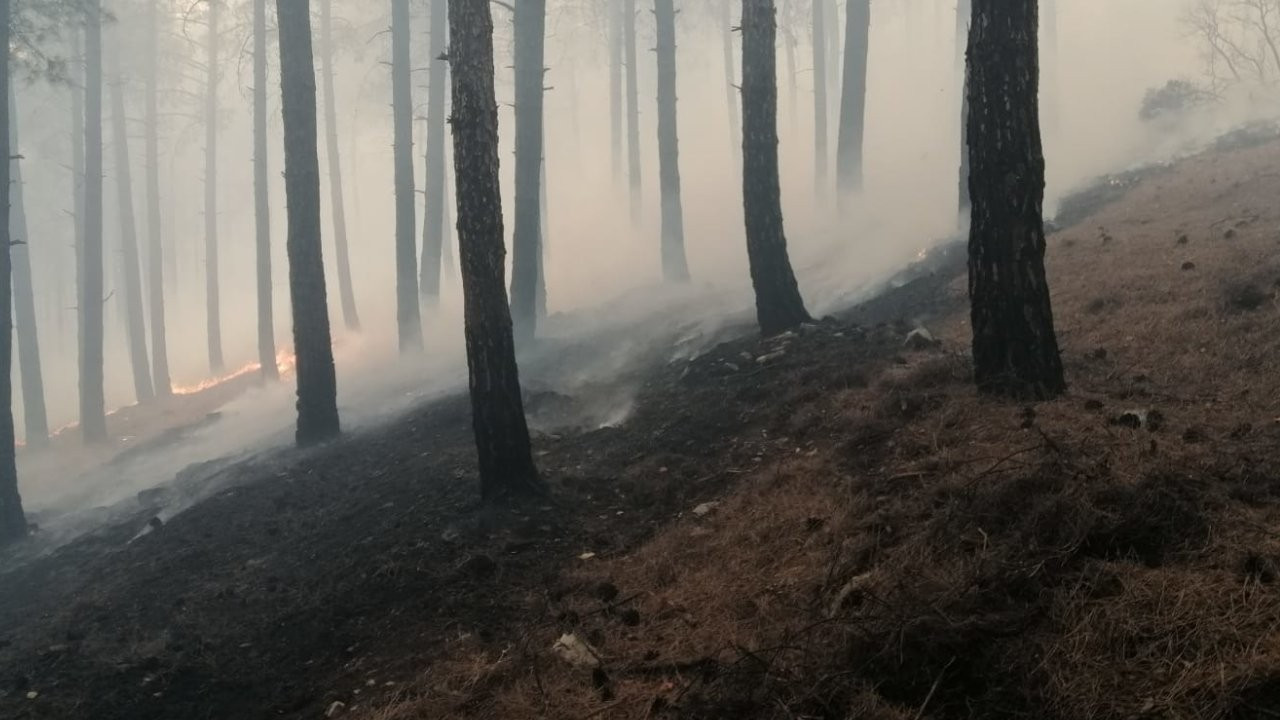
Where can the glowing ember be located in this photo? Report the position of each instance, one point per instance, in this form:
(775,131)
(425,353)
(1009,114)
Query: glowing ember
(285,362)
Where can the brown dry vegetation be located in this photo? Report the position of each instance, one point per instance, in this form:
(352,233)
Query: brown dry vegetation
(910,550)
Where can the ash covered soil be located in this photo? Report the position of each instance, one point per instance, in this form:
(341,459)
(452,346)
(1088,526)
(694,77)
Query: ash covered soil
(827,524)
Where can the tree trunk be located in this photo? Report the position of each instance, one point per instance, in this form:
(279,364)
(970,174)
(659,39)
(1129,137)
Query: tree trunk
(853,99)
(821,133)
(155,250)
(730,81)
(1015,349)
(317,383)
(261,199)
(964,10)
(408,316)
(24,299)
(213,303)
(13,523)
(616,44)
(526,241)
(433,221)
(346,291)
(633,111)
(93,416)
(675,266)
(135,322)
(778,303)
(502,436)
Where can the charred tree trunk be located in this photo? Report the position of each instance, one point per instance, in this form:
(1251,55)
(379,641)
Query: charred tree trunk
(633,112)
(675,266)
(526,241)
(93,416)
(155,250)
(1015,349)
(13,523)
(502,435)
(778,302)
(342,255)
(34,414)
(408,317)
(433,221)
(135,322)
(261,199)
(213,302)
(821,134)
(317,382)
(616,43)
(853,99)
(730,81)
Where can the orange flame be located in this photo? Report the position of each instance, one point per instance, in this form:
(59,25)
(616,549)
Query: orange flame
(285,362)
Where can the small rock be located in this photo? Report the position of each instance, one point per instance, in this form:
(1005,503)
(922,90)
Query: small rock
(1188,265)
(1152,420)
(1183,239)
(1230,233)
(335,709)
(574,651)
(586,556)
(1098,354)
(706,509)
(765,359)
(33,695)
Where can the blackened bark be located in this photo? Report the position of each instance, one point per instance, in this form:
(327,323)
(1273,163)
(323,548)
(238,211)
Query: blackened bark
(502,435)
(93,417)
(317,384)
(408,317)
(1015,349)
(821,115)
(13,523)
(853,99)
(778,302)
(134,321)
(342,253)
(675,265)
(261,199)
(633,111)
(155,250)
(526,241)
(433,221)
(213,302)
(35,416)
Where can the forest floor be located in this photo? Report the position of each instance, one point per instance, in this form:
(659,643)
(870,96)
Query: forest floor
(827,524)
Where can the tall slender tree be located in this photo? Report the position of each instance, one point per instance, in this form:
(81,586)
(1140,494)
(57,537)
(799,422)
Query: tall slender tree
(93,414)
(616,43)
(34,414)
(213,302)
(1015,348)
(317,382)
(155,243)
(130,275)
(342,253)
(633,110)
(675,265)
(408,317)
(502,435)
(13,523)
(853,99)
(821,115)
(526,242)
(261,198)
(730,79)
(964,10)
(433,220)
(778,303)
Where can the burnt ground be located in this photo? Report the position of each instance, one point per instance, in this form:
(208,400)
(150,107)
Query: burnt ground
(315,571)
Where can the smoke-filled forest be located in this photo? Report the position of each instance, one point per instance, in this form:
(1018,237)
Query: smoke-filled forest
(393,359)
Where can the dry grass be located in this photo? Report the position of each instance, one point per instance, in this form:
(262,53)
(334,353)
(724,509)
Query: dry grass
(934,554)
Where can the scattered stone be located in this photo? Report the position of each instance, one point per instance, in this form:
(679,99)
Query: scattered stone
(33,695)
(1183,239)
(335,709)
(849,593)
(1152,420)
(1188,265)
(706,509)
(919,340)
(1229,234)
(576,652)
(1098,354)
(586,556)
(770,357)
